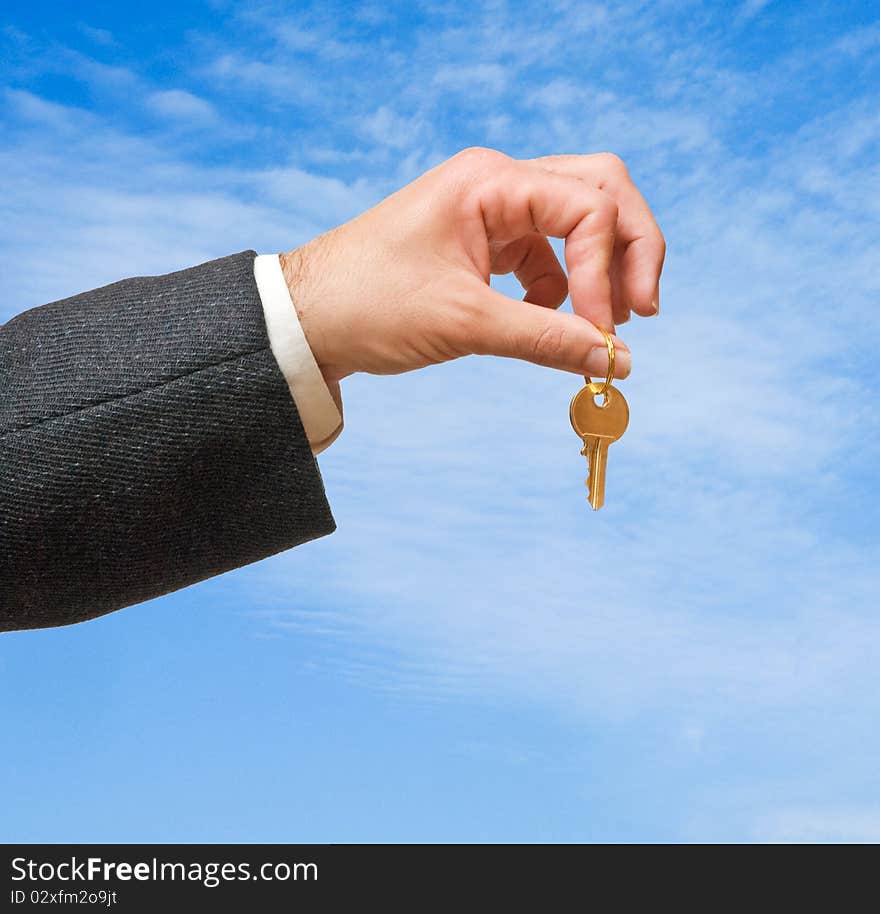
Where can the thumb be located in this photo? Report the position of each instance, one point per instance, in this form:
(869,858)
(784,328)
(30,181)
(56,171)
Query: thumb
(520,330)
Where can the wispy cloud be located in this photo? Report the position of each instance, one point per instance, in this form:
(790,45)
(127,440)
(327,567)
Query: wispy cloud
(481,80)
(178,104)
(97,35)
(751,8)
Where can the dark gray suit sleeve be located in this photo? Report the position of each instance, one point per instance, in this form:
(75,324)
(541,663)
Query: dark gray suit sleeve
(148,440)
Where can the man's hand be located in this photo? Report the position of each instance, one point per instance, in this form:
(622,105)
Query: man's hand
(406,283)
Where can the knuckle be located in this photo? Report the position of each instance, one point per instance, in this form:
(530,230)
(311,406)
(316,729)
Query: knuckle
(474,173)
(478,158)
(549,346)
(613,163)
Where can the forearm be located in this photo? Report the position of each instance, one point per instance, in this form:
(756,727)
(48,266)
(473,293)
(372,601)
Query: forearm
(148,440)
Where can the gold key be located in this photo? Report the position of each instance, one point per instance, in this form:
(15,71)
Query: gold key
(599,425)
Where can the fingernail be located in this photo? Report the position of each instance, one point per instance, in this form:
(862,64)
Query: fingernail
(597,360)
(655,301)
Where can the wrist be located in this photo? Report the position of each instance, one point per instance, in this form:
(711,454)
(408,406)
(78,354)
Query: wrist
(303,280)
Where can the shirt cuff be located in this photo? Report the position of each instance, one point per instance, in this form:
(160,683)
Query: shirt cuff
(319,410)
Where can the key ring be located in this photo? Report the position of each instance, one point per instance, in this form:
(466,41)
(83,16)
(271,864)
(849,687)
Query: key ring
(595,388)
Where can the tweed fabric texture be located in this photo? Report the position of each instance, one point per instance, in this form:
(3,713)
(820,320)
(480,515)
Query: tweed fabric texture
(148,440)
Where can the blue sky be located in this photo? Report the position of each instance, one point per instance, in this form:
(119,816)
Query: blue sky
(474,655)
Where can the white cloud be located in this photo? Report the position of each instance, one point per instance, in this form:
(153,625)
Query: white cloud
(859,41)
(97,35)
(109,203)
(477,80)
(321,42)
(178,104)
(750,9)
(385,128)
(327,200)
(36,110)
(103,77)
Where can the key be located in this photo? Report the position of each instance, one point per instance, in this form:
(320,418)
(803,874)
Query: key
(599,425)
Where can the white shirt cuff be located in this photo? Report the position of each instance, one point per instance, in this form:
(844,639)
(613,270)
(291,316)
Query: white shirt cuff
(316,405)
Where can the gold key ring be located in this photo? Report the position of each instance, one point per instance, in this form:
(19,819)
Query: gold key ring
(595,388)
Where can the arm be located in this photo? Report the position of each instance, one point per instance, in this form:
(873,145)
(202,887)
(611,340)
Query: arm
(149,439)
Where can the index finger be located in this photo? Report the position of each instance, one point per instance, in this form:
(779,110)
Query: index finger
(516,198)
(645,250)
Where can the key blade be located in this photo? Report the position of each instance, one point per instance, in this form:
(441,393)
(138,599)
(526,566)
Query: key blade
(596,479)
(589,451)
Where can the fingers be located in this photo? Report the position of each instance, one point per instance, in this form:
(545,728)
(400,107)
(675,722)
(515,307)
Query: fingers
(535,264)
(555,339)
(517,198)
(641,261)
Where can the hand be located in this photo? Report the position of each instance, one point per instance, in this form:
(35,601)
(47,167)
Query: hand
(406,283)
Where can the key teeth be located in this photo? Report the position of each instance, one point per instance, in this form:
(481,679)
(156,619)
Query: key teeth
(590,498)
